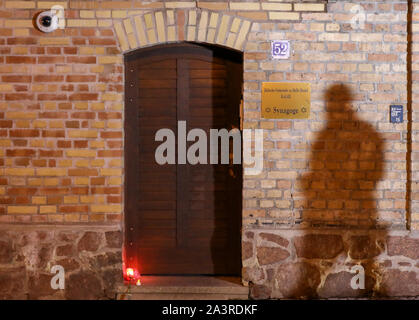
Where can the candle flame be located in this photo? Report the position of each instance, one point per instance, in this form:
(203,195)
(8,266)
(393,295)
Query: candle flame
(130,272)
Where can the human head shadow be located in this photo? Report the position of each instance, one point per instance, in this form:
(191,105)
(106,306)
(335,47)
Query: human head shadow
(339,191)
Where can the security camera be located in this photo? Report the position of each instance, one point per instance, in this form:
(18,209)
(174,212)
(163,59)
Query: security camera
(47,21)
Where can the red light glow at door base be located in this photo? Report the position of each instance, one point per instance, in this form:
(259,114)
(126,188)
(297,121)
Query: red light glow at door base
(132,276)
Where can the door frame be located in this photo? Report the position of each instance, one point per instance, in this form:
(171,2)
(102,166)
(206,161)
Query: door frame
(187,49)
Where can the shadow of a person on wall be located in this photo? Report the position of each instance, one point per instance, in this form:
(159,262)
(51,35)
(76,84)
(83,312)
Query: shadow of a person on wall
(339,191)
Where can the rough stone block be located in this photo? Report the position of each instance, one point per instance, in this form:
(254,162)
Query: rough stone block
(399,246)
(39,285)
(84,285)
(247,250)
(269,255)
(6,252)
(113,239)
(338,285)
(399,283)
(274,238)
(89,242)
(12,283)
(297,280)
(259,291)
(318,246)
(364,247)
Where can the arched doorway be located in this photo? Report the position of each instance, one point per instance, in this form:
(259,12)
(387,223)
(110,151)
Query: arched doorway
(181,218)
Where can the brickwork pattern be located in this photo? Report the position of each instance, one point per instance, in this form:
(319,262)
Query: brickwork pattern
(48,93)
(415,118)
(181,25)
(62,96)
(61,130)
(371,63)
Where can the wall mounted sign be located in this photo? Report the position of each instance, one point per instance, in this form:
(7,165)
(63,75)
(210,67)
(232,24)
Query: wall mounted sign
(396,114)
(285,100)
(280,49)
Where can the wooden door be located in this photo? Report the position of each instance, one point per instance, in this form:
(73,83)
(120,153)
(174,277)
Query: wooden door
(181,218)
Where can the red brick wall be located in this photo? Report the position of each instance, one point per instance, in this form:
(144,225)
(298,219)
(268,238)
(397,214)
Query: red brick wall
(61,125)
(61,130)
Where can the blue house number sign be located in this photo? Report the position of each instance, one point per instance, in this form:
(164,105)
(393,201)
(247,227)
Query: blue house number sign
(280,49)
(396,114)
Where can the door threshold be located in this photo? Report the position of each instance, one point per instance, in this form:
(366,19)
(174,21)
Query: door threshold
(185,288)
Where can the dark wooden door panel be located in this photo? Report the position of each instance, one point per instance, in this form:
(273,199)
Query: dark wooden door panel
(181,219)
(185,260)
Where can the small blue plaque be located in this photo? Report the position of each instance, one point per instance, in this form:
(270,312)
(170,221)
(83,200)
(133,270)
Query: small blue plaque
(280,49)
(396,114)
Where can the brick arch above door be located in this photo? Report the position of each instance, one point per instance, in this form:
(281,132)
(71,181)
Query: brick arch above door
(195,25)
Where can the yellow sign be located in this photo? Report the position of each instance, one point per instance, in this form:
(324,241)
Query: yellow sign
(285,100)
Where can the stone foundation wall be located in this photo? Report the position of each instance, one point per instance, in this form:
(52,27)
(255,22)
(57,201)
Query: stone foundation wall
(276,263)
(91,258)
(61,142)
(318,263)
